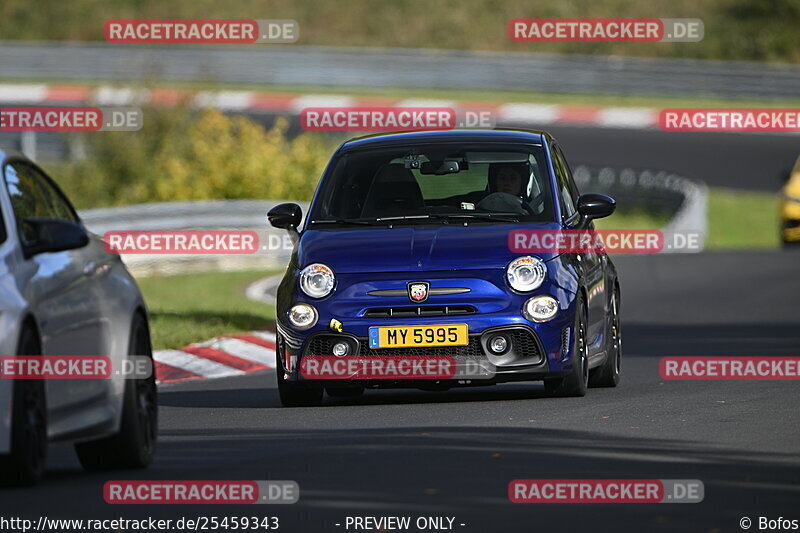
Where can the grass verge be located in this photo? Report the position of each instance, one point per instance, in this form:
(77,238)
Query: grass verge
(633,219)
(195,307)
(736,220)
(734,29)
(742,219)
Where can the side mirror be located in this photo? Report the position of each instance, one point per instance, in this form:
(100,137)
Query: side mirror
(593,205)
(285,216)
(55,235)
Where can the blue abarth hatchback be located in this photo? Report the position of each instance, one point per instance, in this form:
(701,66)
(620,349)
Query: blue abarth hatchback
(405,251)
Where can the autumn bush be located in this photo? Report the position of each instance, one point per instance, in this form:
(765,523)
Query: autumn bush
(186,154)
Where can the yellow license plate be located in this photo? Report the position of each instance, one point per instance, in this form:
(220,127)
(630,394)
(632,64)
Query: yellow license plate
(408,336)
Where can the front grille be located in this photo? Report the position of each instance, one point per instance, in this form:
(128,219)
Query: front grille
(427,310)
(322,344)
(565,343)
(524,343)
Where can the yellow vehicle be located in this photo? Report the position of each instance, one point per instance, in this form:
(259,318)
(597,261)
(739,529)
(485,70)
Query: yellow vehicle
(790,207)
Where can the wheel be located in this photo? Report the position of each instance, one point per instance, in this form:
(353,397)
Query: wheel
(608,374)
(576,383)
(24,466)
(134,445)
(345,392)
(297,394)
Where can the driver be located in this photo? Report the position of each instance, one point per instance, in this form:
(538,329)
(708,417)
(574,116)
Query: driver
(507,190)
(509,178)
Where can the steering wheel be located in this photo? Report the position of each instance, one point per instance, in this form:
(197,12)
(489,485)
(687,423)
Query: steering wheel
(502,202)
(537,202)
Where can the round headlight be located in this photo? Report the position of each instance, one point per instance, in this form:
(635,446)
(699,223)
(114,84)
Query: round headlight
(302,316)
(317,280)
(540,308)
(525,273)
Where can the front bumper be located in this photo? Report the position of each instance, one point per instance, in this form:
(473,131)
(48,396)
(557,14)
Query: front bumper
(532,355)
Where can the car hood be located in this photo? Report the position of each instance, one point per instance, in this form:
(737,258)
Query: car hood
(413,248)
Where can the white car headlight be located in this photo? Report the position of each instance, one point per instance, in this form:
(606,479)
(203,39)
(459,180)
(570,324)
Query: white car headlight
(316,280)
(303,316)
(525,273)
(540,308)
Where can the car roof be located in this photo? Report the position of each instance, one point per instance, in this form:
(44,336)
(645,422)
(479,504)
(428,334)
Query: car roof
(466,136)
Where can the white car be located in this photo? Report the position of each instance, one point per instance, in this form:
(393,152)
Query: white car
(62,294)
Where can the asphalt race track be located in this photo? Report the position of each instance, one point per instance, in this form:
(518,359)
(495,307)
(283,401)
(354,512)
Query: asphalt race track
(757,162)
(453,454)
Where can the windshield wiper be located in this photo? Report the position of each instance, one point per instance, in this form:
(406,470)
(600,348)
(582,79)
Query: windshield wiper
(501,217)
(349,221)
(403,217)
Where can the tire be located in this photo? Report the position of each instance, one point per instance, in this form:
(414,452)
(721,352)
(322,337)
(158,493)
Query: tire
(297,394)
(24,466)
(134,445)
(576,383)
(345,392)
(608,374)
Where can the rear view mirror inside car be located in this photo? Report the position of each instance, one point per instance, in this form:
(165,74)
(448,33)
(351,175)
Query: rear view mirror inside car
(440,167)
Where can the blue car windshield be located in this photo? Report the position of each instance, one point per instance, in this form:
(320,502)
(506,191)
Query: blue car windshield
(436,183)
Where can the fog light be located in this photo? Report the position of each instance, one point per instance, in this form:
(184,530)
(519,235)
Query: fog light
(540,308)
(340,348)
(498,344)
(302,316)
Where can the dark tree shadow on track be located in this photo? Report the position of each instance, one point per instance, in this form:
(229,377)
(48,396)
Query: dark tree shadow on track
(711,340)
(458,471)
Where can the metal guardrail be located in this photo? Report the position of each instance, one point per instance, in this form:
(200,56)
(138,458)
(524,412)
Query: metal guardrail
(398,68)
(684,199)
(207,215)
